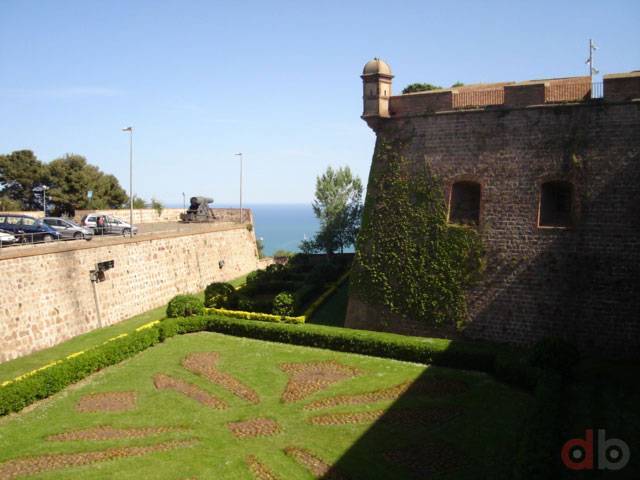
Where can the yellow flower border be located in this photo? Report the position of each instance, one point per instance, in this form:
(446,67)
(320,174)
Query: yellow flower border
(72,355)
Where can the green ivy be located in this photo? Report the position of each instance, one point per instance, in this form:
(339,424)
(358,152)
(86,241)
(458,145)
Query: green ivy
(409,259)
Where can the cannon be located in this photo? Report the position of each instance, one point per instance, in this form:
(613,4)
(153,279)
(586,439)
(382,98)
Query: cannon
(198,210)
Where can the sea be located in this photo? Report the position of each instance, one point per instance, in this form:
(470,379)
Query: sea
(280,226)
(283,226)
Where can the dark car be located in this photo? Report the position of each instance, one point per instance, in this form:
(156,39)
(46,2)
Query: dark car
(27,229)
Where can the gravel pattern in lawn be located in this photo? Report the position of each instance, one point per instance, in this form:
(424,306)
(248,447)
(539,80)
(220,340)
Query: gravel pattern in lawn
(259,470)
(409,417)
(431,387)
(20,467)
(109,433)
(256,427)
(107,402)
(205,364)
(311,377)
(165,382)
(316,466)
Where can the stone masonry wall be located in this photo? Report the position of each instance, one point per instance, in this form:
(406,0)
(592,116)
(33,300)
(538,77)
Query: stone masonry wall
(49,298)
(582,283)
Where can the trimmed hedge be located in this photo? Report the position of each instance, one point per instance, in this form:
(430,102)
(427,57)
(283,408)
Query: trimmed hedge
(538,455)
(387,345)
(283,304)
(184,306)
(44,383)
(220,295)
(261,317)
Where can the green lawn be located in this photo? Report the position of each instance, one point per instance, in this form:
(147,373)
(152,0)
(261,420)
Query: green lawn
(467,422)
(13,368)
(334,310)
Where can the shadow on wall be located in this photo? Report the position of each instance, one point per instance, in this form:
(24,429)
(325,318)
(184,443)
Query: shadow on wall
(582,284)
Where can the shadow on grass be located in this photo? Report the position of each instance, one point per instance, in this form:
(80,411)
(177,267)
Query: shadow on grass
(334,310)
(441,427)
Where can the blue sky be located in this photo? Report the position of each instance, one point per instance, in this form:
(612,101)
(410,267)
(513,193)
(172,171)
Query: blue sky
(278,81)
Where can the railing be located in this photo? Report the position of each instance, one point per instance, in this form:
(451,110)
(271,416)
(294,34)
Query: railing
(597,90)
(24,239)
(36,240)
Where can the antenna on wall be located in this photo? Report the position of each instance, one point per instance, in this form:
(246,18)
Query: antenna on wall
(592,70)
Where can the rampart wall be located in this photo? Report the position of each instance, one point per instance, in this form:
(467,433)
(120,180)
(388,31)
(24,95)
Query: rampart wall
(581,281)
(49,297)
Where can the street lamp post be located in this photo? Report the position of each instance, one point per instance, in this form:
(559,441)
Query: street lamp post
(44,198)
(241,212)
(130,130)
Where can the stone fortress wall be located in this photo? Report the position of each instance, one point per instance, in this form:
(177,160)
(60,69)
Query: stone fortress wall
(580,282)
(48,296)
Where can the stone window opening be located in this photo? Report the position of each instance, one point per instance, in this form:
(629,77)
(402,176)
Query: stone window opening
(556,205)
(464,203)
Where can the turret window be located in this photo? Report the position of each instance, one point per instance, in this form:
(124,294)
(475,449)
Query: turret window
(556,204)
(464,203)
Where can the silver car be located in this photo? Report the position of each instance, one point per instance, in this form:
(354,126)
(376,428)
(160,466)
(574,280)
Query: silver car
(68,229)
(111,225)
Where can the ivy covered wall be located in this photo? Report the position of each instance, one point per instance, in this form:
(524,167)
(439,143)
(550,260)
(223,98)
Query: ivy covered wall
(415,274)
(409,261)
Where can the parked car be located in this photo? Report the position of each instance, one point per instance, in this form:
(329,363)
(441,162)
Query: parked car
(6,238)
(68,229)
(112,225)
(27,229)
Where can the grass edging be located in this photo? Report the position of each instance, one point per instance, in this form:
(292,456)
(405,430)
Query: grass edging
(268,317)
(46,381)
(256,316)
(326,294)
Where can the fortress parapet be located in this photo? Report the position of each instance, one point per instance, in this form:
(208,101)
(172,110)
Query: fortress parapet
(379,104)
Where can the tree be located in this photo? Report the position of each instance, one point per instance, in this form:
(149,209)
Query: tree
(157,206)
(338,206)
(260,247)
(20,173)
(109,192)
(9,204)
(70,178)
(138,203)
(420,87)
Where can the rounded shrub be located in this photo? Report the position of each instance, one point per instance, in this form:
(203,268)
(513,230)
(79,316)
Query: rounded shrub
(184,306)
(283,304)
(220,295)
(554,354)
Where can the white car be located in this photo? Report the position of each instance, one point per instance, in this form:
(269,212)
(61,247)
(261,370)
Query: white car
(7,238)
